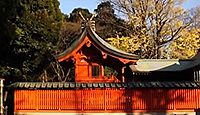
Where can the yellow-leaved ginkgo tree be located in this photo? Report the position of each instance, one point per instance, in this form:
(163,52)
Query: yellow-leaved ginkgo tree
(186,46)
(154,25)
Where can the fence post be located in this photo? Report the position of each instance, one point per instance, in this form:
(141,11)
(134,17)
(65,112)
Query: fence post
(1,99)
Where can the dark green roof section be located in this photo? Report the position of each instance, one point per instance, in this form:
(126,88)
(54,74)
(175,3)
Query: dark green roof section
(100,43)
(102,85)
(74,45)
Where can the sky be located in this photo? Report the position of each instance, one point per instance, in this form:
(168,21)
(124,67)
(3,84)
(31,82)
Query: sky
(67,6)
(191,3)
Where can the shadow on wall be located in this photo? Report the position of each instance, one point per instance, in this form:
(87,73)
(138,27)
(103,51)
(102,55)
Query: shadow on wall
(129,101)
(158,100)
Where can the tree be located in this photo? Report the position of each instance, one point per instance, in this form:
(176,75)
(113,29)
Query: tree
(186,46)
(155,23)
(69,32)
(7,34)
(107,22)
(36,35)
(71,26)
(126,44)
(75,17)
(195,15)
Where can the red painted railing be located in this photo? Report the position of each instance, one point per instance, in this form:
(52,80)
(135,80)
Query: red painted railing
(101,100)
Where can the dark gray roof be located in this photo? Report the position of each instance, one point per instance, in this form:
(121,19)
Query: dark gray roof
(73,46)
(100,44)
(73,85)
(109,48)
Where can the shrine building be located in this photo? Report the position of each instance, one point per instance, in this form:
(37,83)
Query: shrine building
(141,86)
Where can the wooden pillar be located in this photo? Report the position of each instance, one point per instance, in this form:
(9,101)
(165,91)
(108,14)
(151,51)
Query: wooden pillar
(123,78)
(1,99)
(102,70)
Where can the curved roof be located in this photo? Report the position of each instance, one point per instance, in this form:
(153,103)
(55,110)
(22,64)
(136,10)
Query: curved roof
(109,48)
(147,65)
(73,46)
(99,43)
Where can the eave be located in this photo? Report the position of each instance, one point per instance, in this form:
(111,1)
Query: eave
(99,43)
(148,65)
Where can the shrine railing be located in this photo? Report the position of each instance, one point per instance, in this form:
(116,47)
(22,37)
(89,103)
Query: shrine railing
(107,99)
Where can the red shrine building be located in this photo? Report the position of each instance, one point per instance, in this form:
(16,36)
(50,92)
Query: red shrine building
(140,87)
(91,54)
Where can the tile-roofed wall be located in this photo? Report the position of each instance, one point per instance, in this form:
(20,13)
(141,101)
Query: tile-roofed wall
(73,85)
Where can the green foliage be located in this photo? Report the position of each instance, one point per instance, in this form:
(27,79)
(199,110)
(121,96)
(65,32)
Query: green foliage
(6,26)
(109,71)
(75,17)
(69,32)
(107,23)
(35,36)
(71,27)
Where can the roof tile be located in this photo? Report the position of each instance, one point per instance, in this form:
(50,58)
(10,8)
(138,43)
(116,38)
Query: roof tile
(67,85)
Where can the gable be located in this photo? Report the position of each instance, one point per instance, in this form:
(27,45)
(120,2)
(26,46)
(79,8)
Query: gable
(89,37)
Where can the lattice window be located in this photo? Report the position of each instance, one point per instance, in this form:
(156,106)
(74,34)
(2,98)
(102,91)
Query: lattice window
(95,70)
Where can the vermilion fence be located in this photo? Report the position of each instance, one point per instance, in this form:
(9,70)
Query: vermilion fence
(101,100)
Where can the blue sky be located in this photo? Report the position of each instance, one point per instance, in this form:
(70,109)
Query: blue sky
(191,3)
(67,6)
